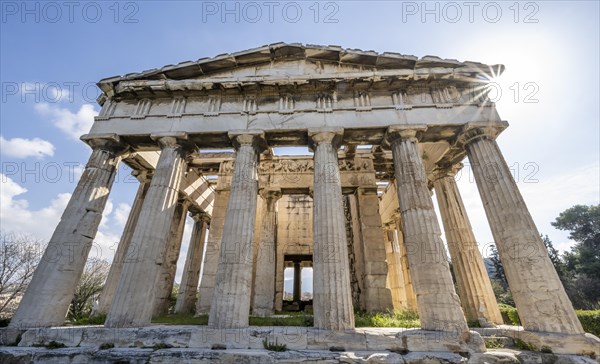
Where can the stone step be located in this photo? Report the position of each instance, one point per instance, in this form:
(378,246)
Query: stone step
(238,356)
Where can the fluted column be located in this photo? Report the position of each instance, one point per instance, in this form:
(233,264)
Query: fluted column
(231,301)
(474,286)
(112,280)
(134,300)
(411,297)
(264,287)
(438,305)
(49,294)
(539,295)
(211,257)
(164,284)
(188,289)
(331,287)
(377,297)
(395,277)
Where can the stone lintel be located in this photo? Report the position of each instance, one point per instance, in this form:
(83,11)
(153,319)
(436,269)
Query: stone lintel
(254,137)
(325,135)
(367,190)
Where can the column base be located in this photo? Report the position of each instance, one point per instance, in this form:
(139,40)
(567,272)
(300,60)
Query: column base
(578,344)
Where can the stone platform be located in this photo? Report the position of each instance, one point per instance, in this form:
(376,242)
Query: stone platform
(241,356)
(203,344)
(204,337)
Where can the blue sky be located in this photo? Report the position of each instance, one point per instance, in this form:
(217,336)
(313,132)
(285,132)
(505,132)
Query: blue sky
(52,53)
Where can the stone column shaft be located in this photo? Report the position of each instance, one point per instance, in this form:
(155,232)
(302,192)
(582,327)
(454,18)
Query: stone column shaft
(193,263)
(264,285)
(231,301)
(211,256)
(136,293)
(540,298)
(411,297)
(438,305)
(376,296)
(164,285)
(395,277)
(331,287)
(50,292)
(296,295)
(474,286)
(112,280)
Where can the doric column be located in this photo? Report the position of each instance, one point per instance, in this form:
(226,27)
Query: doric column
(296,295)
(164,284)
(48,296)
(331,287)
(264,286)
(193,262)
(411,297)
(376,296)
(437,302)
(211,257)
(112,280)
(474,286)
(395,277)
(134,300)
(539,295)
(231,301)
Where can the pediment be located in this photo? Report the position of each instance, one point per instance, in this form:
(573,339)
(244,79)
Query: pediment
(297,63)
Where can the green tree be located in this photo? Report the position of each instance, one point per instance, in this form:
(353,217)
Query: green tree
(554,255)
(498,280)
(89,288)
(583,222)
(581,275)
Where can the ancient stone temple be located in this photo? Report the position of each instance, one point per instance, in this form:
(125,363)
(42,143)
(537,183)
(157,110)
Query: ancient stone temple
(384,131)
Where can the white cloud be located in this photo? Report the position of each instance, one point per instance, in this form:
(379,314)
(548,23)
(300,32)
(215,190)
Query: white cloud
(17,217)
(122,213)
(544,199)
(48,92)
(23,148)
(72,124)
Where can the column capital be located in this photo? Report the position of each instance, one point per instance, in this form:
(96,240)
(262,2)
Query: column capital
(255,138)
(110,142)
(331,136)
(403,132)
(442,171)
(474,131)
(142,175)
(198,216)
(172,139)
(269,193)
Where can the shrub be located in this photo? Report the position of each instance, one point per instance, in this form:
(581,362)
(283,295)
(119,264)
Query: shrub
(522,345)
(510,316)
(493,343)
(90,320)
(403,318)
(54,345)
(590,320)
(274,346)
